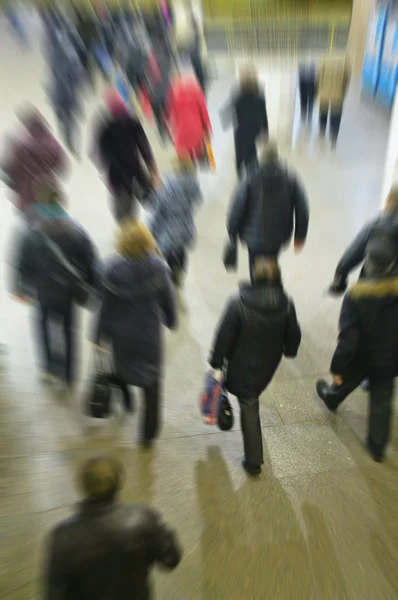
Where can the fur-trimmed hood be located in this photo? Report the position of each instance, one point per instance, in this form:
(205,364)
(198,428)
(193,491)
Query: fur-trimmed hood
(375,288)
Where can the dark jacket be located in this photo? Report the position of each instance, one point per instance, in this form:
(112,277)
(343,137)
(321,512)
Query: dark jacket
(122,147)
(38,273)
(106,552)
(385,224)
(248,114)
(368,337)
(258,327)
(267,207)
(138,299)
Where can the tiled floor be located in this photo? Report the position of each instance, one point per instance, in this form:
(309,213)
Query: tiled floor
(320,523)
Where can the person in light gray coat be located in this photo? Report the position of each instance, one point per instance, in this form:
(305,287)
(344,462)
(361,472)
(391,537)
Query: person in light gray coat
(269,206)
(172,222)
(138,299)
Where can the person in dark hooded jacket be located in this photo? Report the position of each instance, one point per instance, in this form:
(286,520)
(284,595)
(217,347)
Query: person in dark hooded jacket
(258,327)
(368,343)
(267,208)
(247,112)
(138,299)
(107,549)
(385,225)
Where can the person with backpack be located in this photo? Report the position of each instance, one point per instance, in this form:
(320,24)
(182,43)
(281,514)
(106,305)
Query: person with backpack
(107,549)
(385,225)
(55,265)
(259,326)
(367,346)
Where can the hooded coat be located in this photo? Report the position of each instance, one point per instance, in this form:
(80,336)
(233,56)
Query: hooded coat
(172,222)
(138,299)
(188,117)
(258,327)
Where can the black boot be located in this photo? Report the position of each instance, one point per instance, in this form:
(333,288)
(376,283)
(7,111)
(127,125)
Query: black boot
(322,389)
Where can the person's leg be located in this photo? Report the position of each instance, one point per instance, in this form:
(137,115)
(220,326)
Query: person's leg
(303,99)
(151,417)
(44,337)
(335,120)
(323,117)
(251,431)
(122,199)
(69,316)
(311,94)
(252,260)
(127,396)
(251,162)
(379,425)
(333,395)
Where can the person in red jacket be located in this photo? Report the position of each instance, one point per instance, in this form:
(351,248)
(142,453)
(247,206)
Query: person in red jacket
(188,117)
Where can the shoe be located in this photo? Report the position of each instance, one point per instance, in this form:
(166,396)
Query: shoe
(252,470)
(377,456)
(322,389)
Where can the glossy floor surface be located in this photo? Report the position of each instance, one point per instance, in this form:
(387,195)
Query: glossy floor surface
(321,521)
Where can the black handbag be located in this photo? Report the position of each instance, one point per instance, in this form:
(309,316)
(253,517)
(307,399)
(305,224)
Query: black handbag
(230,258)
(225,413)
(100,393)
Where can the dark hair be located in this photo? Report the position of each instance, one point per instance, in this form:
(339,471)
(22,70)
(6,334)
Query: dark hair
(101,478)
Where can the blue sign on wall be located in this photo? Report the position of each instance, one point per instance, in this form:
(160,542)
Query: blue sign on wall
(388,74)
(374,48)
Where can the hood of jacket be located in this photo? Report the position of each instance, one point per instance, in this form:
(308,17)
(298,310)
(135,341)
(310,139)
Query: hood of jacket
(134,277)
(264,297)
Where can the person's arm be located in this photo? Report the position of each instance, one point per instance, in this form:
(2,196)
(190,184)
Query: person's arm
(24,265)
(168,301)
(145,149)
(166,550)
(347,345)
(354,254)
(55,584)
(237,210)
(301,214)
(264,116)
(225,336)
(292,337)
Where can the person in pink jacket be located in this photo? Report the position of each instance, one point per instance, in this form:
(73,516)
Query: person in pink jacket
(188,117)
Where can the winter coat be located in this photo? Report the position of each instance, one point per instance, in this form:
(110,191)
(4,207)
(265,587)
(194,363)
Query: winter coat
(66,69)
(258,327)
(248,113)
(332,83)
(266,208)
(368,338)
(107,551)
(385,224)
(122,143)
(138,299)
(38,273)
(188,117)
(30,157)
(172,222)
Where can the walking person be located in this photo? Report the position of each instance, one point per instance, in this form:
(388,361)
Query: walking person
(332,85)
(33,153)
(55,266)
(367,347)
(247,112)
(268,207)
(88,29)
(384,225)
(107,549)
(123,152)
(172,221)
(307,88)
(138,300)
(258,327)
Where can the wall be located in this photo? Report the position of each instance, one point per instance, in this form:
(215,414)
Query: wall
(361,11)
(391,167)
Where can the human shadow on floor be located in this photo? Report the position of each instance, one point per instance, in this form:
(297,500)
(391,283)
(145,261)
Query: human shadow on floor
(252,545)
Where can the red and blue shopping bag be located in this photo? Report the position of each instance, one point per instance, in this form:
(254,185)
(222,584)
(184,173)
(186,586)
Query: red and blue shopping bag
(210,397)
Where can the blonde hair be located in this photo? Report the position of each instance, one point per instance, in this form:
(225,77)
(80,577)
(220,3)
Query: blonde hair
(248,80)
(266,269)
(135,240)
(101,477)
(392,199)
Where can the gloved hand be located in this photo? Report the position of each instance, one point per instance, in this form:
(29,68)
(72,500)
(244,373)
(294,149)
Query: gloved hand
(230,257)
(338,286)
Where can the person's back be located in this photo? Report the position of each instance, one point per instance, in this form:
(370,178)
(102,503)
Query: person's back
(106,550)
(250,113)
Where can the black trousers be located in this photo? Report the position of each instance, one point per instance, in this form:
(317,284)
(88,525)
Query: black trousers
(150,420)
(124,388)
(177,262)
(123,195)
(56,335)
(335,115)
(246,162)
(381,406)
(307,97)
(251,431)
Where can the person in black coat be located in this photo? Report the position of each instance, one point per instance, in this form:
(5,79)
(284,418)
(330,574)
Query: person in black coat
(368,343)
(124,152)
(55,264)
(107,549)
(267,208)
(247,112)
(385,225)
(138,299)
(258,327)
